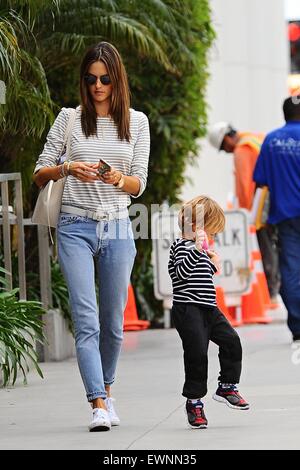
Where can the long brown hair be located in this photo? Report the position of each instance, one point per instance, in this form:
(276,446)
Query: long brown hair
(120,97)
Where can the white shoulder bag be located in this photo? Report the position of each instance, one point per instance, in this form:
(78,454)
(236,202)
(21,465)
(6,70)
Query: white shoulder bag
(48,204)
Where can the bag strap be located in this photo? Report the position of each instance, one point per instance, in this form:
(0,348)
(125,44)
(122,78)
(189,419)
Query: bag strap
(68,135)
(51,182)
(67,141)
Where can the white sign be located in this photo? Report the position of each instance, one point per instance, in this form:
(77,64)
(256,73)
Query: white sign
(232,245)
(165,230)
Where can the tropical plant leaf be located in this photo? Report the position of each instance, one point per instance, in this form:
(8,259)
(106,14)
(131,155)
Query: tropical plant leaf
(20,327)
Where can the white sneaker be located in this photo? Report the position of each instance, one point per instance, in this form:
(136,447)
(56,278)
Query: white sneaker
(114,418)
(101,421)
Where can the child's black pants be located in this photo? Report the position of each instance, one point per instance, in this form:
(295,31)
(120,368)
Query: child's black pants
(197,325)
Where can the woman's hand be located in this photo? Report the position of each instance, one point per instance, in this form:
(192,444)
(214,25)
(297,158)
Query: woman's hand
(84,171)
(215,258)
(111,177)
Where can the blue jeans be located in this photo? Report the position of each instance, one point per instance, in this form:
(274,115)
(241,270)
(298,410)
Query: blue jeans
(289,263)
(84,244)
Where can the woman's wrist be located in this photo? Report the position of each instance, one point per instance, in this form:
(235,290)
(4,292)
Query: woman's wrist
(61,171)
(65,169)
(66,164)
(120,183)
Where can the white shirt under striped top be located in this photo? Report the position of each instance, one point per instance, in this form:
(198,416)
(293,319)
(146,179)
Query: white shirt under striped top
(131,158)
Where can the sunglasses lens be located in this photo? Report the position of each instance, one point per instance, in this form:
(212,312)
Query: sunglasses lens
(105,80)
(90,79)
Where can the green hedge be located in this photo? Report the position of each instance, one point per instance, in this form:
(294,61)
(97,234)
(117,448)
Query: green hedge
(175,104)
(164,45)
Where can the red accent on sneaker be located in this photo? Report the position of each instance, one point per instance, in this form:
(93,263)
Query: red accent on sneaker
(239,400)
(195,415)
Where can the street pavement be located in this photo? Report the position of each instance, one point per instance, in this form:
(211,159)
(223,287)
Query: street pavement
(53,414)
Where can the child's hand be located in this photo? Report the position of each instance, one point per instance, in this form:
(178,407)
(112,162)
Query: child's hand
(215,258)
(201,241)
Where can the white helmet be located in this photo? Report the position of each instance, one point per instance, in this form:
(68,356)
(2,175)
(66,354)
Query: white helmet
(217,133)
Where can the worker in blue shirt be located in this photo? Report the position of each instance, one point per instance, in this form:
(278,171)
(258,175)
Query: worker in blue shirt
(278,167)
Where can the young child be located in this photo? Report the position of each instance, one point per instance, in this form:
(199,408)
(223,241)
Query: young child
(195,313)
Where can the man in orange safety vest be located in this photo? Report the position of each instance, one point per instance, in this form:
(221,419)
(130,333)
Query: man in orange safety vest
(245,147)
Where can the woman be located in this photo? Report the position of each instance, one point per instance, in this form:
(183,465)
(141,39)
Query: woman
(94,228)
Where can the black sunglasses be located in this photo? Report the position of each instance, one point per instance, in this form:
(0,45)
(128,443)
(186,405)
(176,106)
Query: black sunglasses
(92,79)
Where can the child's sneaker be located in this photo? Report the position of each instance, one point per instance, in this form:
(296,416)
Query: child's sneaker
(229,394)
(195,414)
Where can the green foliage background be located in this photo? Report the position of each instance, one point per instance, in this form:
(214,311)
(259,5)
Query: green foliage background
(164,45)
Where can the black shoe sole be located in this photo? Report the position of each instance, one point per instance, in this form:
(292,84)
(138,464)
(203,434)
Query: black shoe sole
(202,426)
(99,429)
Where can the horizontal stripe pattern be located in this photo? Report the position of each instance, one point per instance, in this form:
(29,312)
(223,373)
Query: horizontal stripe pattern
(131,158)
(191,272)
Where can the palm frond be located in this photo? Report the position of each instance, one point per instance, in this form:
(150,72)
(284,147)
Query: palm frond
(9,48)
(95,24)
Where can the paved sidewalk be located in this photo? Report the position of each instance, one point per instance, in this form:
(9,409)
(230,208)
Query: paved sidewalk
(52,413)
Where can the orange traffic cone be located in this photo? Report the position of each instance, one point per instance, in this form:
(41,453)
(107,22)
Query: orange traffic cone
(229,313)
(253,307)
(255,303)
(258,268)
(131,320)
(262,281)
